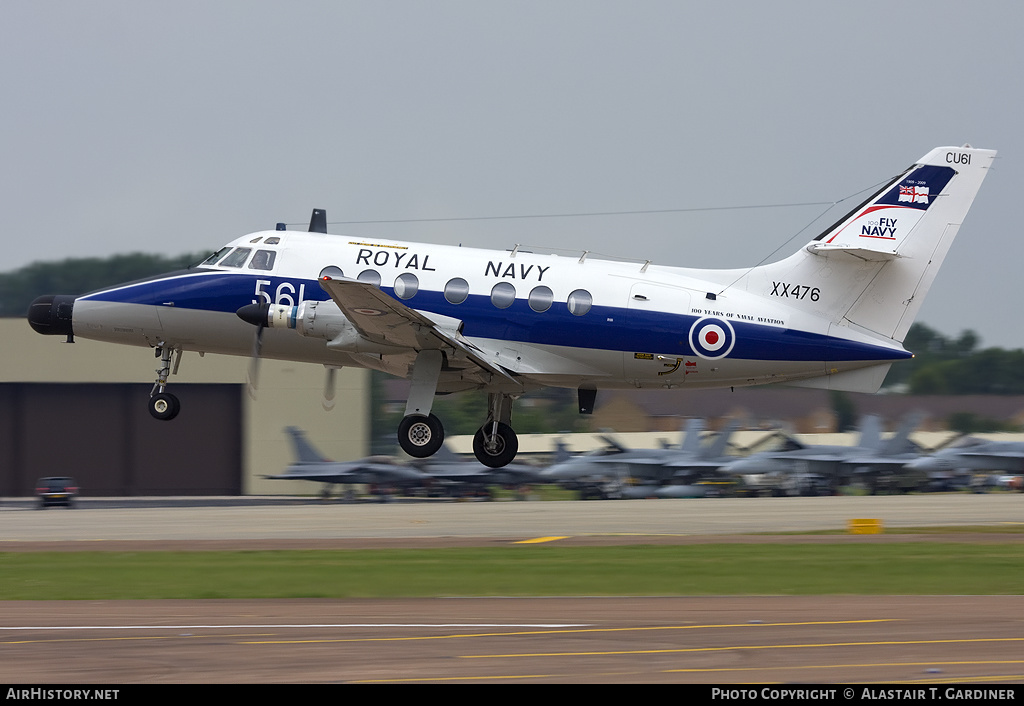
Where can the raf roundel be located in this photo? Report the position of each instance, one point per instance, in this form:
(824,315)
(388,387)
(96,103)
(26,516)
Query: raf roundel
(712,338)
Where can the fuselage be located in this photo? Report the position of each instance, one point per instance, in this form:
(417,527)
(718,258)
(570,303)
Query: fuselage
(548,319)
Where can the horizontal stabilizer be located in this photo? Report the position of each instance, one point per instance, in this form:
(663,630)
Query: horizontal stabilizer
(860,253)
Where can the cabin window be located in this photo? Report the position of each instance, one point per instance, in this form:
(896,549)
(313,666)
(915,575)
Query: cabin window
(263,260)
(457,290)
(332,271)
(236,258)
(579,302)
(406,285)
(541,298)
(370,277)
(216,256)
(503,295)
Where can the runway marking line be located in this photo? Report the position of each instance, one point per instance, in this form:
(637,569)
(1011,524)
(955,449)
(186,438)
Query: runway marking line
(425,679)
(854,666)
(115,639)
(576,631)
(747,647)
(950,680)
(293,625)
(539,540)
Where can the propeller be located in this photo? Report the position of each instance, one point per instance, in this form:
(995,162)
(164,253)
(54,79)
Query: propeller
(259,316)
(255,314)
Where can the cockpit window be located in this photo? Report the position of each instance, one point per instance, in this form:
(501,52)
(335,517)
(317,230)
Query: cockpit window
(272,240)
(237,258)
(216,256)
(263,260)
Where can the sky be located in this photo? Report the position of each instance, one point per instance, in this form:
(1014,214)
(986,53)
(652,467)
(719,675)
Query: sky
(174,127)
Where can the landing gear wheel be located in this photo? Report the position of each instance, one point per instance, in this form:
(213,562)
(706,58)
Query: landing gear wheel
(164,406)
(420,436)
(497,450)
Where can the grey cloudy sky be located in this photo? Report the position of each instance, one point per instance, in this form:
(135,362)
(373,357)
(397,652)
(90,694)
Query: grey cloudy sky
(174,127)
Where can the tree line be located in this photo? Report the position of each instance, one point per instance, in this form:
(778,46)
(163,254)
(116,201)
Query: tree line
(81,275)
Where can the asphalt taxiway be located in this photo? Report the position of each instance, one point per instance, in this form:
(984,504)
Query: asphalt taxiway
(705,639)
(162,520)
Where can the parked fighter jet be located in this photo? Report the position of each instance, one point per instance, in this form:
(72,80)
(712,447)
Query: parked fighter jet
(955,464)
(815,468)
(448,474)
(381,473)
(607,472)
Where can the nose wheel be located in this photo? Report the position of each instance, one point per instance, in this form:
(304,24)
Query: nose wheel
(420,436)
(164,406)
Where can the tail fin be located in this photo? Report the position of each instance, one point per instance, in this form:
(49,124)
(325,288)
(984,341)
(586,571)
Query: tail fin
(561,452)
(871,270)
(446,455)
(691,436)
(870,432)
(717,449)
(304,451)
(900,441)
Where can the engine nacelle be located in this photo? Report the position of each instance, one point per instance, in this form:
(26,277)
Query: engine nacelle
(316,319)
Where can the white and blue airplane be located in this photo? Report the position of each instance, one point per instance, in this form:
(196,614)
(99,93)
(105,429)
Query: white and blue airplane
(833,314)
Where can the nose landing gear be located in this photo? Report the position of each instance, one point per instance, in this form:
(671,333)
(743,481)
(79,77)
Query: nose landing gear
(163,405)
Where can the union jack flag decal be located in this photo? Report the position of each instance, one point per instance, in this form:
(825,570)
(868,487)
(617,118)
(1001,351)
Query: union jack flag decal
(914,194)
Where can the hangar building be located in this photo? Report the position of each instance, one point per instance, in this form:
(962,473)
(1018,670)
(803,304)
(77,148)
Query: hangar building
(79,409)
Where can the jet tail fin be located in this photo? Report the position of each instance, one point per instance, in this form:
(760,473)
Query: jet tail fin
(717,449)
(561,452)
(900,441)
(870,432)
(690,442)
(304,451)
(446,455)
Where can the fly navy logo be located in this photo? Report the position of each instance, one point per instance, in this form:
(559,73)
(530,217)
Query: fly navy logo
(712,338)
(884,227)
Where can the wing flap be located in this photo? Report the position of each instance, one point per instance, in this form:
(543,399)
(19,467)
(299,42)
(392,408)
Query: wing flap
(382,319)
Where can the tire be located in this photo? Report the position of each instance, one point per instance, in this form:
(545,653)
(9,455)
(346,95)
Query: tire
(420,436)
(507,445)
(164,406)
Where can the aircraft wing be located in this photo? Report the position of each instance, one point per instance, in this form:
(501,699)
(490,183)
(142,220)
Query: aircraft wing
(363,471)
(994,454)
(382,319)
(879,462)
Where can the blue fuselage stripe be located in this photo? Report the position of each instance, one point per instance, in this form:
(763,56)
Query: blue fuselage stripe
(602,328)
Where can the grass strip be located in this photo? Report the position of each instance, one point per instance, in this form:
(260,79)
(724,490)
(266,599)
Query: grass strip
(530,570)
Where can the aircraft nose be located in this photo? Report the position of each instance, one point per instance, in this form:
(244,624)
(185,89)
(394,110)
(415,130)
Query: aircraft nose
(51,314)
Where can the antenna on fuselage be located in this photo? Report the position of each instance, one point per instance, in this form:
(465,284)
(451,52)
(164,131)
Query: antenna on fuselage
(318,221)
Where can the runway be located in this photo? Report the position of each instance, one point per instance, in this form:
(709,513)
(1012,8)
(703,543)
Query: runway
(721,640)
(700,639)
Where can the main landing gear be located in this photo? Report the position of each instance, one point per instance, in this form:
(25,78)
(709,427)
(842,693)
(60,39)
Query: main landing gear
(495,444)
(421,434)
(163,405)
